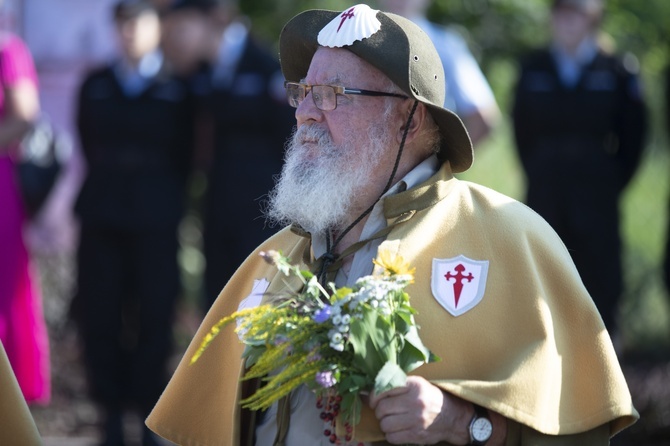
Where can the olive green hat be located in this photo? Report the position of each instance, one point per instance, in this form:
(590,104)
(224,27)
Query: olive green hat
(400,50)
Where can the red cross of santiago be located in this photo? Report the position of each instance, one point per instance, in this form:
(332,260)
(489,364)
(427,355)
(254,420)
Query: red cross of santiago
(458,283)
(346,15)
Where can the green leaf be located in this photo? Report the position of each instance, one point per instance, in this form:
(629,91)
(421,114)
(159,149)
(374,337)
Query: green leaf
(404,319)
(372,340)
(413,353)
(350,408)
(389,377)
(252,353)
(353,383)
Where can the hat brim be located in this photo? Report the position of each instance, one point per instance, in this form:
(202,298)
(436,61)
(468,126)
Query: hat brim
(298,43)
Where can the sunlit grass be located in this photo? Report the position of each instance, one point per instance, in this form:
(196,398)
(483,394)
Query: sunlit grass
(645,313)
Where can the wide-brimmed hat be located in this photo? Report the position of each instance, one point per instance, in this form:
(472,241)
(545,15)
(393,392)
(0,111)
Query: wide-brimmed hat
(395,46)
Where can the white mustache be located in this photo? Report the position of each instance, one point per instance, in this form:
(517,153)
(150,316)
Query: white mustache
(312,134)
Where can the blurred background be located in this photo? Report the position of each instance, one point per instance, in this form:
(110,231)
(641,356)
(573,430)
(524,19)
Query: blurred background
(69,37)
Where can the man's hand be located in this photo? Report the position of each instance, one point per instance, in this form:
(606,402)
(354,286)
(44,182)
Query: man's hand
(421,413)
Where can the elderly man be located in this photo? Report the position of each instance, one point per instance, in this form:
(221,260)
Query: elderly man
(526,359)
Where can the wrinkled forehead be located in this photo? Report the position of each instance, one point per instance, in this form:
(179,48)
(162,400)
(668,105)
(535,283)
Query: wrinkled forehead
(338,66)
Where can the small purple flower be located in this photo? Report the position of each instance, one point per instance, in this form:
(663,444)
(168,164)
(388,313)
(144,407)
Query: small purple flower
(322,314)
(325,379)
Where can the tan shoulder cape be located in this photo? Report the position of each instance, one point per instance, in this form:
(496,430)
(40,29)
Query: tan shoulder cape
(534,349)
(16,423)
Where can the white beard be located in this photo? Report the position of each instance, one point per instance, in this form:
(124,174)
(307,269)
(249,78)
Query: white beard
(319,181)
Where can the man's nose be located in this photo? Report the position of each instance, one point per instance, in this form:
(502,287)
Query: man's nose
(308,111)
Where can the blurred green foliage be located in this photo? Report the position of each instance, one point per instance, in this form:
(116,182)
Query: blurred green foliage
(503,29)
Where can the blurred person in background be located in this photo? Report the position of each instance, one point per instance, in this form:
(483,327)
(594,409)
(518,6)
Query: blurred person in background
(240,90)
(134,123)
(468,91)
(22,328)
(579,122)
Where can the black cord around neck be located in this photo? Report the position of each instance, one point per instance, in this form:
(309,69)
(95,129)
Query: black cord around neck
(329,257)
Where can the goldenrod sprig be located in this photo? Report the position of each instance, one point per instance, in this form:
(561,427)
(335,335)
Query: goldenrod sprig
(214,331)
(281,352)
(276,389)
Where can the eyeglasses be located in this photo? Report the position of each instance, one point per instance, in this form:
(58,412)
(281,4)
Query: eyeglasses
(325,96)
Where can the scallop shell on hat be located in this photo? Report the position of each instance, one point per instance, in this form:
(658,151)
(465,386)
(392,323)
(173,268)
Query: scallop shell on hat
(356,23)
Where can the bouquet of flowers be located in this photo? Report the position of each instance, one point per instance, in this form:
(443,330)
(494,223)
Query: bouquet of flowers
(340,344)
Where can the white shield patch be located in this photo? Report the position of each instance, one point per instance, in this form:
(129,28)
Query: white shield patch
(459,283)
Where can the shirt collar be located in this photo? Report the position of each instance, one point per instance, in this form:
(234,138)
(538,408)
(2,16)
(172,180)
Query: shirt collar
(586,52)
(135,79)
(376,220)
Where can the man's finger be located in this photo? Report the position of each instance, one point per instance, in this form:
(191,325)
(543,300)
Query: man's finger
(375,399)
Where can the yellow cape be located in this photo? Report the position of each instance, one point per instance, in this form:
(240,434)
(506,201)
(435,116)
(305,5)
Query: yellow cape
(534,349)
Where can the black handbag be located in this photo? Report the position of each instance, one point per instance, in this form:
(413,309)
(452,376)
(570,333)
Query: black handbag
(41,157)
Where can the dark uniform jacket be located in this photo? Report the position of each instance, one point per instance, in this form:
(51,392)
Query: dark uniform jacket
(579,146)
(591,132)
(137,149)
(252,122)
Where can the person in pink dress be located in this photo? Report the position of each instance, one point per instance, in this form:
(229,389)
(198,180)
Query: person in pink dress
(22,328)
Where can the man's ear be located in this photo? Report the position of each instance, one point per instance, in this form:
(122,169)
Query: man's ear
(415,125)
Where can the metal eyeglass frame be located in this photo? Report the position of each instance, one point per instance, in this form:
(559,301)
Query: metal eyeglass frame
(295,100)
